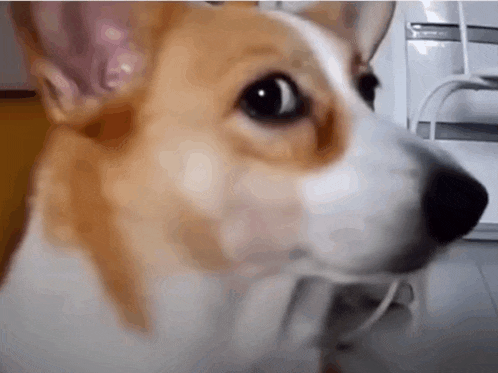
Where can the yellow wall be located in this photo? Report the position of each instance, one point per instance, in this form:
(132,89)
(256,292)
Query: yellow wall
(22,131)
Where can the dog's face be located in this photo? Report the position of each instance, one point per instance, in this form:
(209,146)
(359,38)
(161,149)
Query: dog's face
(233,138)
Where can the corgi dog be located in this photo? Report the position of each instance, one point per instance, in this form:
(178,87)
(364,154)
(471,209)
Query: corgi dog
(197,152)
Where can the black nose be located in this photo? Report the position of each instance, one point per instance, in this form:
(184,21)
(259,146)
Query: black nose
(453,204)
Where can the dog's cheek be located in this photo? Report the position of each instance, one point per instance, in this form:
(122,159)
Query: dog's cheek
(263,220)
(200,176)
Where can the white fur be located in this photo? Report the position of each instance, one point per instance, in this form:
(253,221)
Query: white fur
(366,207)
(53,312)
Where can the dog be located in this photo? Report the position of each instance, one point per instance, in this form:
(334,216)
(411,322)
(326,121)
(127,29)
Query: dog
(196,153)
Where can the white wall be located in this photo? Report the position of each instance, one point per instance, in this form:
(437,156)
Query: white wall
(393,100)
(12,70)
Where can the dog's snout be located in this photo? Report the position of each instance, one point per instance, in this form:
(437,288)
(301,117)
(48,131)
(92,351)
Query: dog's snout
(452,205)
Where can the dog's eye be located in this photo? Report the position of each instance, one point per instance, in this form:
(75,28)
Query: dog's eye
(272,99)
(367,84)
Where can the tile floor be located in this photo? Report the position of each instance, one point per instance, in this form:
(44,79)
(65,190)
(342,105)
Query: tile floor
(459,333)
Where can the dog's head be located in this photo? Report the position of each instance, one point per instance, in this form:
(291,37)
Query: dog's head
(226,138)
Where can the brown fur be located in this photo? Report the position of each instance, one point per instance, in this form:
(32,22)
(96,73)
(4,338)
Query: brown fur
(101,186)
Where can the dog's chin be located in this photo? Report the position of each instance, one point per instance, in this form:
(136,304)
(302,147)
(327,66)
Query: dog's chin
(262,259)
(411,259)
(396,258)
(346,258)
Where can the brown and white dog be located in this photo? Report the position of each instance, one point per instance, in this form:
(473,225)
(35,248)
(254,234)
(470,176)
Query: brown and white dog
(194,151)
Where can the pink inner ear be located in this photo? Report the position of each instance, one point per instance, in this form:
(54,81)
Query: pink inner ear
(121,62)
(89,43)
(121,68)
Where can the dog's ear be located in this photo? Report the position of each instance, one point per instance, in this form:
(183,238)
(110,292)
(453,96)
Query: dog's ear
(364,24)
(81,52)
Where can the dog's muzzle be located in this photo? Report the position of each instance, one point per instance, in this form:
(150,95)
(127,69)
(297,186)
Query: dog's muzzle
(452,205)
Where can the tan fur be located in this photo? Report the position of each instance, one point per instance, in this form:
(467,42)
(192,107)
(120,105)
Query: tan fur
(161,202)
(112,174)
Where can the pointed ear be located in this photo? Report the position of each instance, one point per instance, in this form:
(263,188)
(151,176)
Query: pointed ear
(364,24)
(82,52)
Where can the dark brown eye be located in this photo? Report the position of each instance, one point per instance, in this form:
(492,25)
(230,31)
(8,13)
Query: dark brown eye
(366,85)
(274,98)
